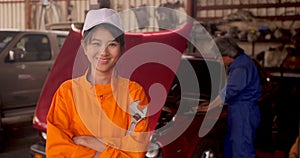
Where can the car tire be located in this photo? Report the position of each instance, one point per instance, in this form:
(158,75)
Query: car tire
(207,148)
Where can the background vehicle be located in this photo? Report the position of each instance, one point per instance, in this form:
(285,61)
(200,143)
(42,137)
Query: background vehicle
(26,57)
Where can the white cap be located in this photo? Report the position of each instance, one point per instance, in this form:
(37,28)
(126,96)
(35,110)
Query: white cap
(100,16)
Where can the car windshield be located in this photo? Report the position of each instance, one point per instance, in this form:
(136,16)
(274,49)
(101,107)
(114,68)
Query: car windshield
(6,38)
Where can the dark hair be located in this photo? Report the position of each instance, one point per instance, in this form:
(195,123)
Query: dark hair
(228,47)
(116,33)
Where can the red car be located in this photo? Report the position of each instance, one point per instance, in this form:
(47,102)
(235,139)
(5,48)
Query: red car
(178,129)
(71,54)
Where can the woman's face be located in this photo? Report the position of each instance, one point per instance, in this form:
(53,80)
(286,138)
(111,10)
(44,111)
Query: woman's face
(102,51)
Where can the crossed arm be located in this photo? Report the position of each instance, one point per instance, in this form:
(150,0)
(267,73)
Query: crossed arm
(90,142)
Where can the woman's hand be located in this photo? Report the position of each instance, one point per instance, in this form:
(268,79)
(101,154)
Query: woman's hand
(90,142)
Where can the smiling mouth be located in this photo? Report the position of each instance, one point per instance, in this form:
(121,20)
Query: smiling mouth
(102,60)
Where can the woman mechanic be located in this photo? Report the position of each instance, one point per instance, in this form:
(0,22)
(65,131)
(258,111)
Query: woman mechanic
(90,116)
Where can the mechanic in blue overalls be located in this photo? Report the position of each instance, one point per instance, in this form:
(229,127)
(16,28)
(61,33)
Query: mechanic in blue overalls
(240,94)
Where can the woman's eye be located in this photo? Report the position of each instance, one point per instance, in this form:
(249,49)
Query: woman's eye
(96,44)
(113,44)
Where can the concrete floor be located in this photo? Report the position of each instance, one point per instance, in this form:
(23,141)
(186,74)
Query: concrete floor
(19,136)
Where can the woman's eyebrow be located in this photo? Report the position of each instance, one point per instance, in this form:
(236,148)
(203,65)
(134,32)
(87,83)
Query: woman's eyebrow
(97,39)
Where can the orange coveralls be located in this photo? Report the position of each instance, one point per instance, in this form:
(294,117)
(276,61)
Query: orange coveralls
(64,120)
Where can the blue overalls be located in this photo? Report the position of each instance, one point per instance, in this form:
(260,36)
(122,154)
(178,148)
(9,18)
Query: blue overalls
(241,94)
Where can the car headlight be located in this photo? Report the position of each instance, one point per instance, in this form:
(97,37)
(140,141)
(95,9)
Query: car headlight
(44,135)
(153,150)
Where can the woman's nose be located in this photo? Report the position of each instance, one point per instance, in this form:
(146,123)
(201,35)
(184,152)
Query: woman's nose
(103,50)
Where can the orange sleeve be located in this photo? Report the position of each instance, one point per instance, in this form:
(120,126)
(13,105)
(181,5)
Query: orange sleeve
(59,142)
(134,145)
(129,146)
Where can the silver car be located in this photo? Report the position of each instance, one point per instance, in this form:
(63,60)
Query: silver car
(26,57)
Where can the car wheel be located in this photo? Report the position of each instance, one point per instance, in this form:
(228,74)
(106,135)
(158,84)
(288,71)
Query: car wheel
(207,148)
